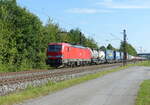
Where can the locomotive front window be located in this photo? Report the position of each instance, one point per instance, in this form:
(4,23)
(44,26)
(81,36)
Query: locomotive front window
(54,48)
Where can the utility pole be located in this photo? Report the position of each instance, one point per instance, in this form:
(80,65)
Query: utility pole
(80,38)
(125,47)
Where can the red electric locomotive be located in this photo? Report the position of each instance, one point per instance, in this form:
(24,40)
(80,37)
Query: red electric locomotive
(64,54)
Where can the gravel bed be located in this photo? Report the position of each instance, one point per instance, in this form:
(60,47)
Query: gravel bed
(9,88)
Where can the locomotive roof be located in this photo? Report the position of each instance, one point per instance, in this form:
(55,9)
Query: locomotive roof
(77,46)
(58,44)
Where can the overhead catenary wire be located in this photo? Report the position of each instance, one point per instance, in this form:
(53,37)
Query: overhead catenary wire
(116,37)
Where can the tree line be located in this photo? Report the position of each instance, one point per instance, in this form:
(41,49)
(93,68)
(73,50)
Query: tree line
(24,38)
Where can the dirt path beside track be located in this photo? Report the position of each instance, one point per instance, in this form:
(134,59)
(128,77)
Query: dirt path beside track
(118,88)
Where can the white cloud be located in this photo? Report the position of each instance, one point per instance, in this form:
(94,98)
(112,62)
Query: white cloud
(129,7)
(87,11)
(108,0)
(133,4)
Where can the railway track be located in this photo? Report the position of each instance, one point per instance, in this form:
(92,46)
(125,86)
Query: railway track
(19,77)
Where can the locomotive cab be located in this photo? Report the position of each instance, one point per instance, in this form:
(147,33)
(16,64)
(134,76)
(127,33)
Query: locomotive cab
(54,55)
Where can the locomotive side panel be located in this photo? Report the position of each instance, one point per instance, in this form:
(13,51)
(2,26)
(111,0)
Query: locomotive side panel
(68,55)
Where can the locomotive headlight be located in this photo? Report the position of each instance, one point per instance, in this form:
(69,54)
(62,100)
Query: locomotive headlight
(50,56)
(59,56)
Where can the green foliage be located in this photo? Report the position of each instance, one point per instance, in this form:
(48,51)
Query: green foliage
(24,39)
(102,48)
(110,47)
(77,37)
(89,42)
(51,31)
(130,49)
(21,37)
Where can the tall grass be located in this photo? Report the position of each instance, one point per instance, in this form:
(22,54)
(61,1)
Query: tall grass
(143,97)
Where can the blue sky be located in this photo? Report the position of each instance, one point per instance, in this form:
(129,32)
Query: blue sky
(103,20)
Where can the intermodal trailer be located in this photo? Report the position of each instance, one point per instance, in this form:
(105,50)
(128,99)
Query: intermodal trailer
(117,56)
(109,56)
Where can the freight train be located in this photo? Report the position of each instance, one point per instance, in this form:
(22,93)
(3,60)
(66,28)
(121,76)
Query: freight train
(65,54)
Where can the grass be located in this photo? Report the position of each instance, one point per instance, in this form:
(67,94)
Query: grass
(33,92)
(143,97)
(142,63)
(145,63)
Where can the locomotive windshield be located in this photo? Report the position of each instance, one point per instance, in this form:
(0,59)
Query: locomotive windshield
(54,48)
